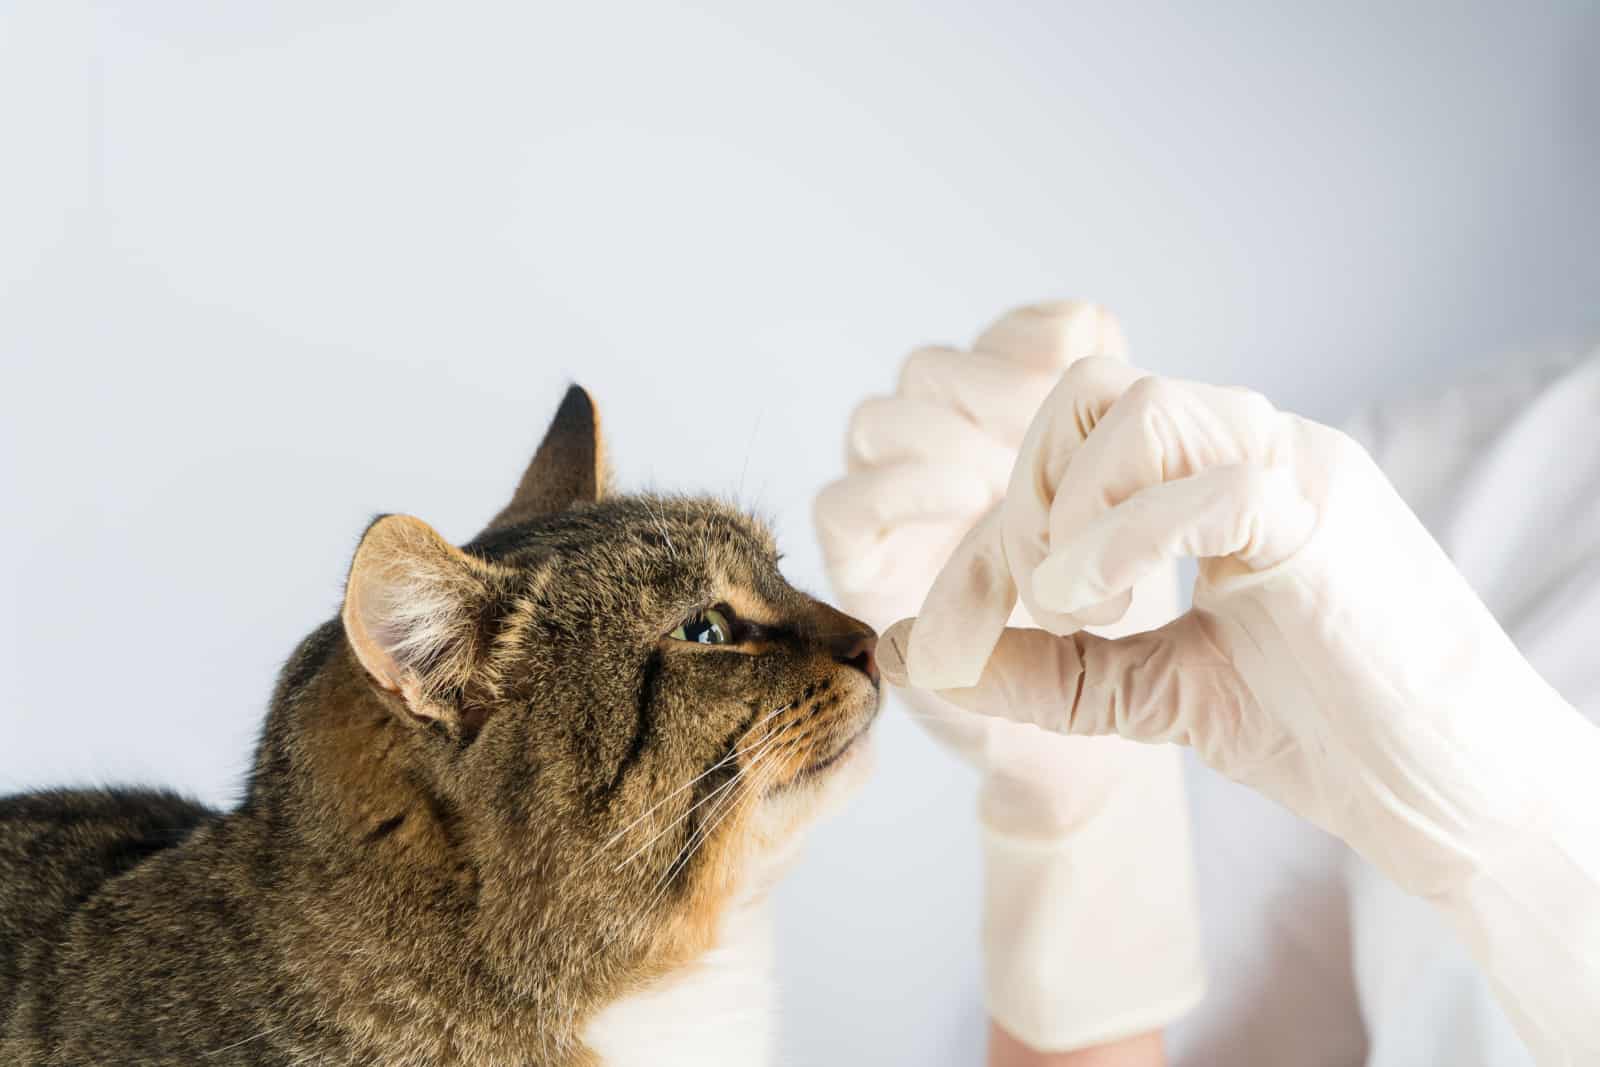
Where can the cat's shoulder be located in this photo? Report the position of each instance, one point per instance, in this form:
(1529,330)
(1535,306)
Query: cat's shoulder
(57,841)
(63,811)
(58,848)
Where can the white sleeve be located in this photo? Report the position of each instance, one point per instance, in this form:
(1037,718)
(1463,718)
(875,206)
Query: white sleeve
(1505,471)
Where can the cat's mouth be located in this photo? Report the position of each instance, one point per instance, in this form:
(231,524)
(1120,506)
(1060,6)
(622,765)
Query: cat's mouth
(822,765)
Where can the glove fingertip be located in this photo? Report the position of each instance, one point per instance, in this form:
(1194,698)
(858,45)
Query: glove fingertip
(917,660)
(1057,586)
(1054,334)
(1113,341)
(892,646)
(827,507)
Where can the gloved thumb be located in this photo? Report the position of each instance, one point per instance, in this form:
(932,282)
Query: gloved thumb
(1155,687)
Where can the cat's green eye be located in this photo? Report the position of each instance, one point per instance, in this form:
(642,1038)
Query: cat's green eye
(709,627)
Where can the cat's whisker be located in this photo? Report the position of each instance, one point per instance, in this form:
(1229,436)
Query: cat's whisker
(754,752)
(659,889)
(755,782)
(750,782)
(754,785)
(703,833)
(740,749)
(749,447)
(660,519)
(732,756)
(713,816)
(753,779)
(245,1041)
(723,762)
(771,740)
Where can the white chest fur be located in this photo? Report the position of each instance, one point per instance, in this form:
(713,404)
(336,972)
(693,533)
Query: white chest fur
(716,1012)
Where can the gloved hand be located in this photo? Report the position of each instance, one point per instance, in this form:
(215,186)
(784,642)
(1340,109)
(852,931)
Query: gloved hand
(1334,660)
(1089,929)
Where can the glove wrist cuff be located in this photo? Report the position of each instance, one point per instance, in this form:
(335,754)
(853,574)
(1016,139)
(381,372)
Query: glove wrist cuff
(1094,935)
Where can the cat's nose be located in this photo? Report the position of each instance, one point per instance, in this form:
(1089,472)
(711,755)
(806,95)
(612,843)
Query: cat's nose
(858,649)
(849,642)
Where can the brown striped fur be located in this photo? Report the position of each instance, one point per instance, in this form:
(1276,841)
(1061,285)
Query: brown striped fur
(427,867)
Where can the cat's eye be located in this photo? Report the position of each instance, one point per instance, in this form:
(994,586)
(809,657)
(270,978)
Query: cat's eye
(708,627)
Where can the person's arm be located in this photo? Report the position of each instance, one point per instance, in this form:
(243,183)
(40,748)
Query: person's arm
(1145,1050)
(1335,660)
(1464,458)
(1072,958)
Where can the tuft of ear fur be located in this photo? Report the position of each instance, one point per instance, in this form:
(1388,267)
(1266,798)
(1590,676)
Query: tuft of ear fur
(413,611)
(568,468)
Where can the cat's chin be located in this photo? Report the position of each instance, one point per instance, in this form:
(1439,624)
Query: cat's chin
(841,776)
(821,791)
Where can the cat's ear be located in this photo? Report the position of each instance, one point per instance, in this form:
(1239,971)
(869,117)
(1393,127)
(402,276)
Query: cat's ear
(414,607)
(569,467)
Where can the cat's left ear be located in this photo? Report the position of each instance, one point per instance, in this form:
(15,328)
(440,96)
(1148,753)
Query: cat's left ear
(415,609)
(569,467)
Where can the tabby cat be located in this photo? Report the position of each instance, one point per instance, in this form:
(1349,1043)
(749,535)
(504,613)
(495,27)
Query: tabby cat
(519,804)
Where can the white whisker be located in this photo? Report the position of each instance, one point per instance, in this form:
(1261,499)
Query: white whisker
(703,833)
(245,1041)
(772,738)
(749,447)
(658,890)
(733,755)
(660,520)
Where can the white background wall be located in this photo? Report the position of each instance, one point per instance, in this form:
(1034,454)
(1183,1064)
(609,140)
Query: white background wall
(268,269)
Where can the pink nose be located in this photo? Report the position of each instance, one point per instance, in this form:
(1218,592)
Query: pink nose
(858,650)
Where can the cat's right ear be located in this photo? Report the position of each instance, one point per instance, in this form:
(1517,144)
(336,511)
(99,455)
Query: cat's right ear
(569,467)
(414,607)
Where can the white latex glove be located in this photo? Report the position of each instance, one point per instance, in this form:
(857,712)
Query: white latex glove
(1334,660)
(1090,931)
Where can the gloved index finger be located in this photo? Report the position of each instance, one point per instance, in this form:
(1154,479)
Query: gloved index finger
(964,613)
(1089,686)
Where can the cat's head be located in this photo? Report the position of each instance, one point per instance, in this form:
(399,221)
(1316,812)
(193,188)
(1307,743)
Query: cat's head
(623,706)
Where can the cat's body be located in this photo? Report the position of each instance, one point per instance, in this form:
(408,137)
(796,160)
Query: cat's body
(70,953)
(499,815)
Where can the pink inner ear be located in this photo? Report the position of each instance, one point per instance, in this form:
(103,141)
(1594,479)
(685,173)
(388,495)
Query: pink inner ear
(371,637)
(392,638)
(409,603)
(402,599)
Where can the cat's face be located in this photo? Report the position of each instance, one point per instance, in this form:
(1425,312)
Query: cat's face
(693,703)
(629,706)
